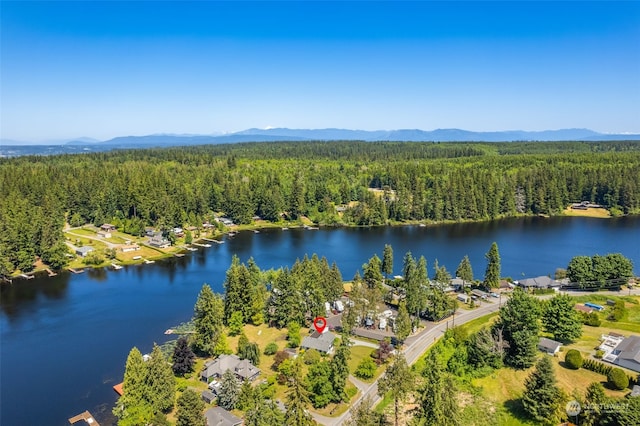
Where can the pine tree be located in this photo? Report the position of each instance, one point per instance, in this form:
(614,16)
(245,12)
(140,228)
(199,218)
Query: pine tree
(372,273)
(561,319)
(159,382)
(132,405)
(541,395)
(183,357)
(518,320)
(297,399)
(441,276)
(403,322)
(263,413)
(464,271)
(229,391)
(363,414)
(237,291)
(492,273)
(208,320)
(398,381)
(190,409)
(340,369)
(387,261)
(438,405)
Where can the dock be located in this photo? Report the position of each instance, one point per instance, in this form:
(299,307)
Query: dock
(202,245)
(86,416)
(50,272)
(147,261)
(76,271)
(27,277)
(179,255)
(212,240)
(116,267)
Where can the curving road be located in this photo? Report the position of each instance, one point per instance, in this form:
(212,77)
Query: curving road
(418,344)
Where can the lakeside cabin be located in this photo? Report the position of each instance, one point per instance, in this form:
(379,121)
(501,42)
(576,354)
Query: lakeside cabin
(549,346)
(83,251)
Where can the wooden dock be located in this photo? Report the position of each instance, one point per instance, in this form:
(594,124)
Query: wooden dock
(76,271)
(212,240)
(27,277)
(86,416)
(50,272)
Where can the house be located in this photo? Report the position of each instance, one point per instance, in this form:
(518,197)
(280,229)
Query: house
(549,346)
(83,251)
(505,286)
(538,283)
(104,234)
(158,240)
(129,247)
(458,283)
(582,308)
(149,231)
(626,354)
(463,298)
(479,294)
(322,342)
(208,397)
(179,232)
(108,227)
(218,416)
(242,368)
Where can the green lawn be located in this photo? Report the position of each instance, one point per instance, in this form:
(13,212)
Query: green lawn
(358,353)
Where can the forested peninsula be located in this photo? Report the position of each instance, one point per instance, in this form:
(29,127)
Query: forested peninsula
(331,183)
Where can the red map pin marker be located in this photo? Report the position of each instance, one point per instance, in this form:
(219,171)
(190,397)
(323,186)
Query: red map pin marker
(320,323)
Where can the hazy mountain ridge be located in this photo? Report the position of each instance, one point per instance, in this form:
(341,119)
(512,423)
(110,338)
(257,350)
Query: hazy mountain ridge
(12,148)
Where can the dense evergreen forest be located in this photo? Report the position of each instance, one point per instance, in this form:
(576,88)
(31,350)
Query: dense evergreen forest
(330,182)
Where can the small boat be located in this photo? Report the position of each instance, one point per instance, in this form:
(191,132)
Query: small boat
(256,231)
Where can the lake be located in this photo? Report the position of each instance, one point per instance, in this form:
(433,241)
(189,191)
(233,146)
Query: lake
(65,339)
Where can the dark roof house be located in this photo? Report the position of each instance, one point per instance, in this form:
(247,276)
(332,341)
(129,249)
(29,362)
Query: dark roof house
(83,251)
(218,416)
(158,240)
(549,346)
(242,368)
(208,396)
(322,342)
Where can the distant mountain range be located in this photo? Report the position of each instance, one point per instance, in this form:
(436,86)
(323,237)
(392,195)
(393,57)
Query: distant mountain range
(85,144)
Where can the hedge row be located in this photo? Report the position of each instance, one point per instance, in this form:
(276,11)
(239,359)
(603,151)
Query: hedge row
(604,369)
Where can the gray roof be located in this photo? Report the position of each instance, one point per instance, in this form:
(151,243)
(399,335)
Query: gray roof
(240,367)
(84,249)
(548,344)
(322,342)
(635,392)
(208,396)
(218,416)
(629,348)
(538,282)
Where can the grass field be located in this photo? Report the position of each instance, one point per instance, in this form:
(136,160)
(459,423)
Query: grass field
(590,212)
(358,353)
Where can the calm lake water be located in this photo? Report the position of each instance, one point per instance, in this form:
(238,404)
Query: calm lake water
(64,340)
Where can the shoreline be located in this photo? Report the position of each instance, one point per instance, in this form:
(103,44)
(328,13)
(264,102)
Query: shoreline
(181,251)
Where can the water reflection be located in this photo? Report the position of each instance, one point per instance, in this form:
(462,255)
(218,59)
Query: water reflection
(17,298)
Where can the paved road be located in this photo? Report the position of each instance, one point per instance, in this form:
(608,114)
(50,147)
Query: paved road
(418,344)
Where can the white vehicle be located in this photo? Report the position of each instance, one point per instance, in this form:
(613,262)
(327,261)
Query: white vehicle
(383,324)
(327,306)
(339,306)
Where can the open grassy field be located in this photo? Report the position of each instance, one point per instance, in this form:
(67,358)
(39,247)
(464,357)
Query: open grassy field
(358,353)
(590,212)
(630,322)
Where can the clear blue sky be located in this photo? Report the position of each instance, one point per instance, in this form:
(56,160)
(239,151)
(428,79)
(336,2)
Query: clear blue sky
(105,69)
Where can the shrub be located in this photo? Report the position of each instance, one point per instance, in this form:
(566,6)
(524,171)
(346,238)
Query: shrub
(592,319)
(599,354)
(278,359)
(271,348)
(311,357)
(618,379)
(573,359)
(366,369)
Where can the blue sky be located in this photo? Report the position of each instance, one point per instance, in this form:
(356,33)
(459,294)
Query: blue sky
(105,69)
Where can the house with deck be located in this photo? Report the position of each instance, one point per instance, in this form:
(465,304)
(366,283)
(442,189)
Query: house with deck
(83,251)
(538,283)
(549,346)
(624,352)
(218,416)
(159,241)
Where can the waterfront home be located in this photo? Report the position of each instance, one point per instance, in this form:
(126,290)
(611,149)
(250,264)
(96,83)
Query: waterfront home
(583,308)
(459,284)
(242,368)
(218,416)
(479,294)
(83,251)
(538,283)
(322,342)
(108,227)
(549,346)
(159,241)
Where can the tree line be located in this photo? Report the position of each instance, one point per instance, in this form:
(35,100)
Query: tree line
(332,183)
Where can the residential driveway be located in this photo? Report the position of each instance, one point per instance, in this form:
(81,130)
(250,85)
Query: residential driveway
(110,245)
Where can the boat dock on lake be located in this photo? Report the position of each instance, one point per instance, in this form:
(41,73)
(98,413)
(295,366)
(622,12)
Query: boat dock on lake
(116,267)
(50,272)
(86,416)
(27,277)
(76,271)
(212,240)
(202,245)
